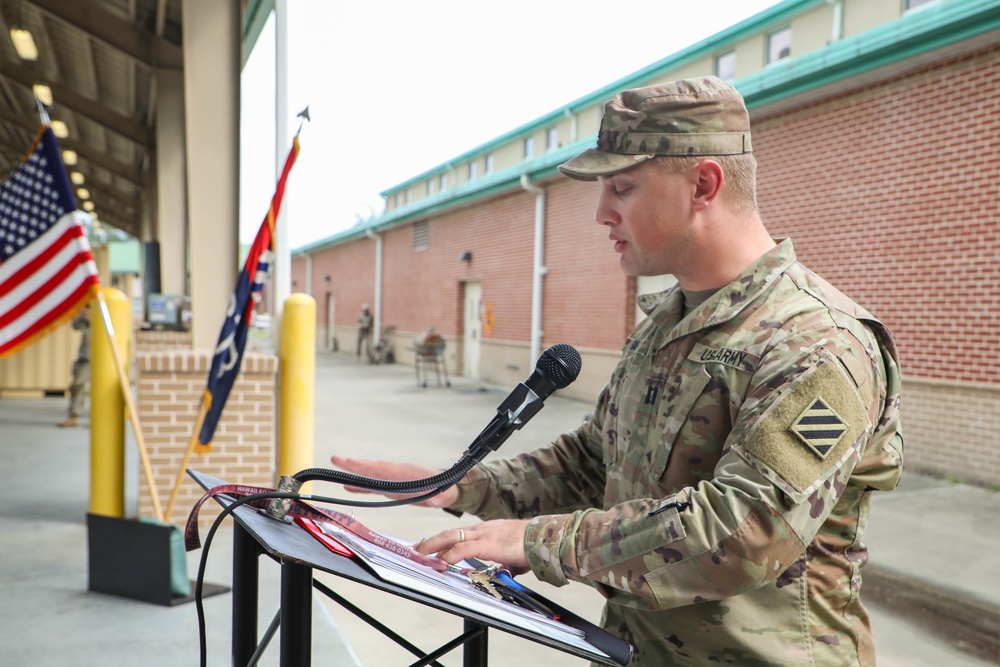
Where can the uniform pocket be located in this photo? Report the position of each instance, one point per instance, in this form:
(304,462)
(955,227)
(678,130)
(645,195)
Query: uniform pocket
(679,398)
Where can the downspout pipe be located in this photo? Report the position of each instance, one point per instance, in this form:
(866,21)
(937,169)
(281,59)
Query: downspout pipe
(538,267)
(378,281)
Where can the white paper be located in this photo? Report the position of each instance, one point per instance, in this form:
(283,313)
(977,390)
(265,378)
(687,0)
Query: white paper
(455,588)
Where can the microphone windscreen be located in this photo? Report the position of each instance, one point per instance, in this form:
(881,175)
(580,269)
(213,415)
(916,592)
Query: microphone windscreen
(561,364)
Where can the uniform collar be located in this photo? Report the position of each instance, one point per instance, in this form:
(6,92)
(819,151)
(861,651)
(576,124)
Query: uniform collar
(666,309)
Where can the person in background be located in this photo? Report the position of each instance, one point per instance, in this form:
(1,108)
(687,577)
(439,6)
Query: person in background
(364,331)
(719,495)
(81,370)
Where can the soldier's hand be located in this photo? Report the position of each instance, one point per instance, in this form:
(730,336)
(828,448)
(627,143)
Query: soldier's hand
(395,472)
(500,541)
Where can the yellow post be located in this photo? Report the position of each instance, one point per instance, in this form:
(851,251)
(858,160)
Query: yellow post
(107,407)
(297,388)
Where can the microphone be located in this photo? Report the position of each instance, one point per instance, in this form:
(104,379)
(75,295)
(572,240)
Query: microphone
(556,369)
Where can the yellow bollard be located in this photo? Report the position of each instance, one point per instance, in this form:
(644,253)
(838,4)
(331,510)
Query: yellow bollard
(107,405)
(297,388)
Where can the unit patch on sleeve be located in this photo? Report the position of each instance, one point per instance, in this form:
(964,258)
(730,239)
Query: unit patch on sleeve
(810,427)
(819,427)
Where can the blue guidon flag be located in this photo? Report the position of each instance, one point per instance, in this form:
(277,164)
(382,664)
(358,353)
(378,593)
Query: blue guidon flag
(233,337)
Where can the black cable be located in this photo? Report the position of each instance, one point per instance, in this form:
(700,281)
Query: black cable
(230,508)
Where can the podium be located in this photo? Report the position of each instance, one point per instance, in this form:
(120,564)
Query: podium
(298,554)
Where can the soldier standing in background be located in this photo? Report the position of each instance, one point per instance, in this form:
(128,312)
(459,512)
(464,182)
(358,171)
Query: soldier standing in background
(81,370)
(364,331)
(718,496)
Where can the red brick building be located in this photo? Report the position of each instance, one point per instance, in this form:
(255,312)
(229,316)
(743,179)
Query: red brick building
(879,154)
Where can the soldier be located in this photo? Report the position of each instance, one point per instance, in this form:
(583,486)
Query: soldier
(364,331)
(719,494)
(81,370)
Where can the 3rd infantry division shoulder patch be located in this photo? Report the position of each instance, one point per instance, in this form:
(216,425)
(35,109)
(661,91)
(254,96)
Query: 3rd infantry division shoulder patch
(819,427)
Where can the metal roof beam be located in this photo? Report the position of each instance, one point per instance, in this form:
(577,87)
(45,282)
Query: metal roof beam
(113,122)
(31,125)
(146,47)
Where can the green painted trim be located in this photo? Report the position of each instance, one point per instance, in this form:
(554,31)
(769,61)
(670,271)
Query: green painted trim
(925,30)
(782,12)
(921,31)
(506,180)
(253,23)
(124,256)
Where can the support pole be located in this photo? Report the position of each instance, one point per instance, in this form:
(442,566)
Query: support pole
(114,386)
(297,384)
(107,415)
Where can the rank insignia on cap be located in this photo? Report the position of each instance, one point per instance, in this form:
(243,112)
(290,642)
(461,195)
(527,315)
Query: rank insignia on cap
(819,427)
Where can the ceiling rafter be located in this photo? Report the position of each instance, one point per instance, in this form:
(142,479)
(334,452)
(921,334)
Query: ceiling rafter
(30,124)
(149,49)
(95,111)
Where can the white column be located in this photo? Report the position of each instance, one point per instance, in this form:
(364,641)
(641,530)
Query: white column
(171,201)
(281,277)
(212,109)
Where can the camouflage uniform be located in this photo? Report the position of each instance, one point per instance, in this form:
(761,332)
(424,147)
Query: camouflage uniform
(81,366)
(719,495)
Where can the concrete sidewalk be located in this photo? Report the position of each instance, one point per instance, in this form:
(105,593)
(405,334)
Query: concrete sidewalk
(932,585)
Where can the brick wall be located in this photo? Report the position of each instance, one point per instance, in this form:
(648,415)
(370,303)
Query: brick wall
(150,341)
(949,430)
(891,191)
(170,384)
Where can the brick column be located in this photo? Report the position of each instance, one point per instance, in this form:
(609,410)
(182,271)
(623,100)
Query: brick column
(170,384)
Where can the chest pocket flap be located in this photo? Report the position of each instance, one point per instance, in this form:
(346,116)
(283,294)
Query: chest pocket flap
(680,393)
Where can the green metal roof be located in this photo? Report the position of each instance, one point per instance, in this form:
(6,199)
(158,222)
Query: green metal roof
(933,27)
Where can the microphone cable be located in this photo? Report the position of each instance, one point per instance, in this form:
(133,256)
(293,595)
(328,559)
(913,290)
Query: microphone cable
(275,495)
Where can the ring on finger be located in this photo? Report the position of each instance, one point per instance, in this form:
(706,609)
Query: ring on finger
(461,535)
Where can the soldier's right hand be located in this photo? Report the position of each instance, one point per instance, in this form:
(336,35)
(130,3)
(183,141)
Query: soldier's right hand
(389,470)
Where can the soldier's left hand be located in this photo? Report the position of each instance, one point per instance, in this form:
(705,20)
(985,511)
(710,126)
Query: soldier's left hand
(500,541)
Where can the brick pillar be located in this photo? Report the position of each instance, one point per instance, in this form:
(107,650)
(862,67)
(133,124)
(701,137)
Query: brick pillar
(170,384)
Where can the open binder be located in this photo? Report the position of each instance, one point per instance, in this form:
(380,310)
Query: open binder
(328,547)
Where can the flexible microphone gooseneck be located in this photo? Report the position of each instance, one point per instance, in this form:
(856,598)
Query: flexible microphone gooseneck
(556,368)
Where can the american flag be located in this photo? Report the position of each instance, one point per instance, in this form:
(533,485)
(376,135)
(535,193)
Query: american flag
(47,272)
(233,337)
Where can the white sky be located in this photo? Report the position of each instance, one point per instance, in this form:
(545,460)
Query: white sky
(397,87)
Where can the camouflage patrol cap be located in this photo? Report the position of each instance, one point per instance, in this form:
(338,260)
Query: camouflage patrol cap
(702,116)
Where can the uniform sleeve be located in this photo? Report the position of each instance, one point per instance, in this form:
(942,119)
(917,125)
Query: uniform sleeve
(796,439)
(565,476)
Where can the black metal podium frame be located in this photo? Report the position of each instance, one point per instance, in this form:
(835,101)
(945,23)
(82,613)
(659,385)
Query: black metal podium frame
(299,553)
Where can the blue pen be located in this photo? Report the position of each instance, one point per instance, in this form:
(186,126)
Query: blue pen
(509,581)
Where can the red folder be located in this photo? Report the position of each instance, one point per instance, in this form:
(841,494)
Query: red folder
(317,532)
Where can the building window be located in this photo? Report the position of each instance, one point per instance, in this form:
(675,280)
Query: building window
(489,164)
(430,186)
(779,45)
(725,66)
(420,235)
(552,138)
(473,170)
(444,181)
(913,4)
(529,147)
(406,196)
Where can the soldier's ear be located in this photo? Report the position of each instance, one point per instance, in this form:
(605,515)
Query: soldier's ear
(708,178)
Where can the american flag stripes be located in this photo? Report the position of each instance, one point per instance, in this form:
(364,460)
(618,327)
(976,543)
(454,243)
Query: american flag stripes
(47,272)
(233,337)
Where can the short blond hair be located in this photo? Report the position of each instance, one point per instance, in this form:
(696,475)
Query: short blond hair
(740,184)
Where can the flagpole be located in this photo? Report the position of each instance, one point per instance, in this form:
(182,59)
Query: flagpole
(187,455)
(134,416)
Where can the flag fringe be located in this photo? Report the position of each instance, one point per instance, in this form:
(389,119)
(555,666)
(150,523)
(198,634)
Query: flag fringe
(60,321)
